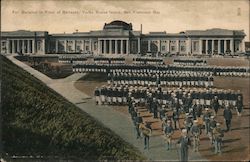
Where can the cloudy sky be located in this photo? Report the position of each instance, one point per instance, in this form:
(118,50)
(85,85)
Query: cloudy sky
(170,16)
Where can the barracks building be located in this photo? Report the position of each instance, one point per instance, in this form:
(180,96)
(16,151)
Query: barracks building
(118,37)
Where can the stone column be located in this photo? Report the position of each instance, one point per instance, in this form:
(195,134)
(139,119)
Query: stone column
(243,48)
(167,48)
(33,46)
(116,52)
(23,49)
(28,46)
(219,46)
(8,46)
(13,46)
(127,47)
(225,46)
(139,45)
(65,46)
(99,46)
(56,46)
(122,47)
(83,45)
(212,46)
(43,46)
(177,45)
(105,46)
(231,46)
(18,46)
(200,46)
(159,46)
(206,46)
(90,45)
(110,46)
(74,45)
(149,45)
(188,45)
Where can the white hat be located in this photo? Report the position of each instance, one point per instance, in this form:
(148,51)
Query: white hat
(195,121)
(206,109)
(218,124)
(212,117)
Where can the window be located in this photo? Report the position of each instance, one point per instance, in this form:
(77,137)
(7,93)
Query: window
(195,46)
(163,48)
(70,48)
(87,48)
(78,48)
(39,45)
(172,48)
(183,48)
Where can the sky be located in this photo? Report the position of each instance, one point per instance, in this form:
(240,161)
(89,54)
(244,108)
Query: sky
(59,16)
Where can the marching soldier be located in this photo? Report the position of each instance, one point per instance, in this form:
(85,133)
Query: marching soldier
(154,108)
(218,135)
(97,96)
(195,130)
(176,119)
(228,117)
(146,131)
(216,105)
(206,119)
(212,125)
(184,142)
(239,105)
(138,121)
(188,122)
(169,131)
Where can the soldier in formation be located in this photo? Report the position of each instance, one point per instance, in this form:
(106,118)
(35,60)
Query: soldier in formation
(169,131)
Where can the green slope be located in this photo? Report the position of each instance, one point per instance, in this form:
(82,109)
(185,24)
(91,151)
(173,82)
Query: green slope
(38,121)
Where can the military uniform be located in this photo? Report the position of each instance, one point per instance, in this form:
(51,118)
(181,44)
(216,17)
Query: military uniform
(195,130)
(184,142)
(212,125)
(146,131)
(168,134)
(206,119)
(218,135)
(239,105)
(228,117)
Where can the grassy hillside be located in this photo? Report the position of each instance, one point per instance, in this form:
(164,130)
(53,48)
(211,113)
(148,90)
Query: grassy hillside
(38,121)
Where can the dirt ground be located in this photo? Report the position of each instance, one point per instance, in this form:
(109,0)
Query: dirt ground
(236,142)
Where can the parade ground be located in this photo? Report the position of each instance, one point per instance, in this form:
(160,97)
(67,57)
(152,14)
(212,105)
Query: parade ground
(79,89)
(236,142)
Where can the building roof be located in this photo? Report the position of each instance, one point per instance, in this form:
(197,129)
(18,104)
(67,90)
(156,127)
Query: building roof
(21,33)
(214,32)
(118,24)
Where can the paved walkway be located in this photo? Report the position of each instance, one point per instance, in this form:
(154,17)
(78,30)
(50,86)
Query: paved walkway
(120,123)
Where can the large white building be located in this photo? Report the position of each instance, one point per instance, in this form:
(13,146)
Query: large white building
(118,37)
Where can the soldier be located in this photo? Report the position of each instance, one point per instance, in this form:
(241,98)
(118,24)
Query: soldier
(97,96)
(195,130)
(154,108)
(103,94)
(188,122)
(239,105)
(162,112)
(169,131)
(206,119)
(216,105)
(146,131)
(138,121)
(212,125)
(218,135)
(228,117)
(184,142)
(176,118)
